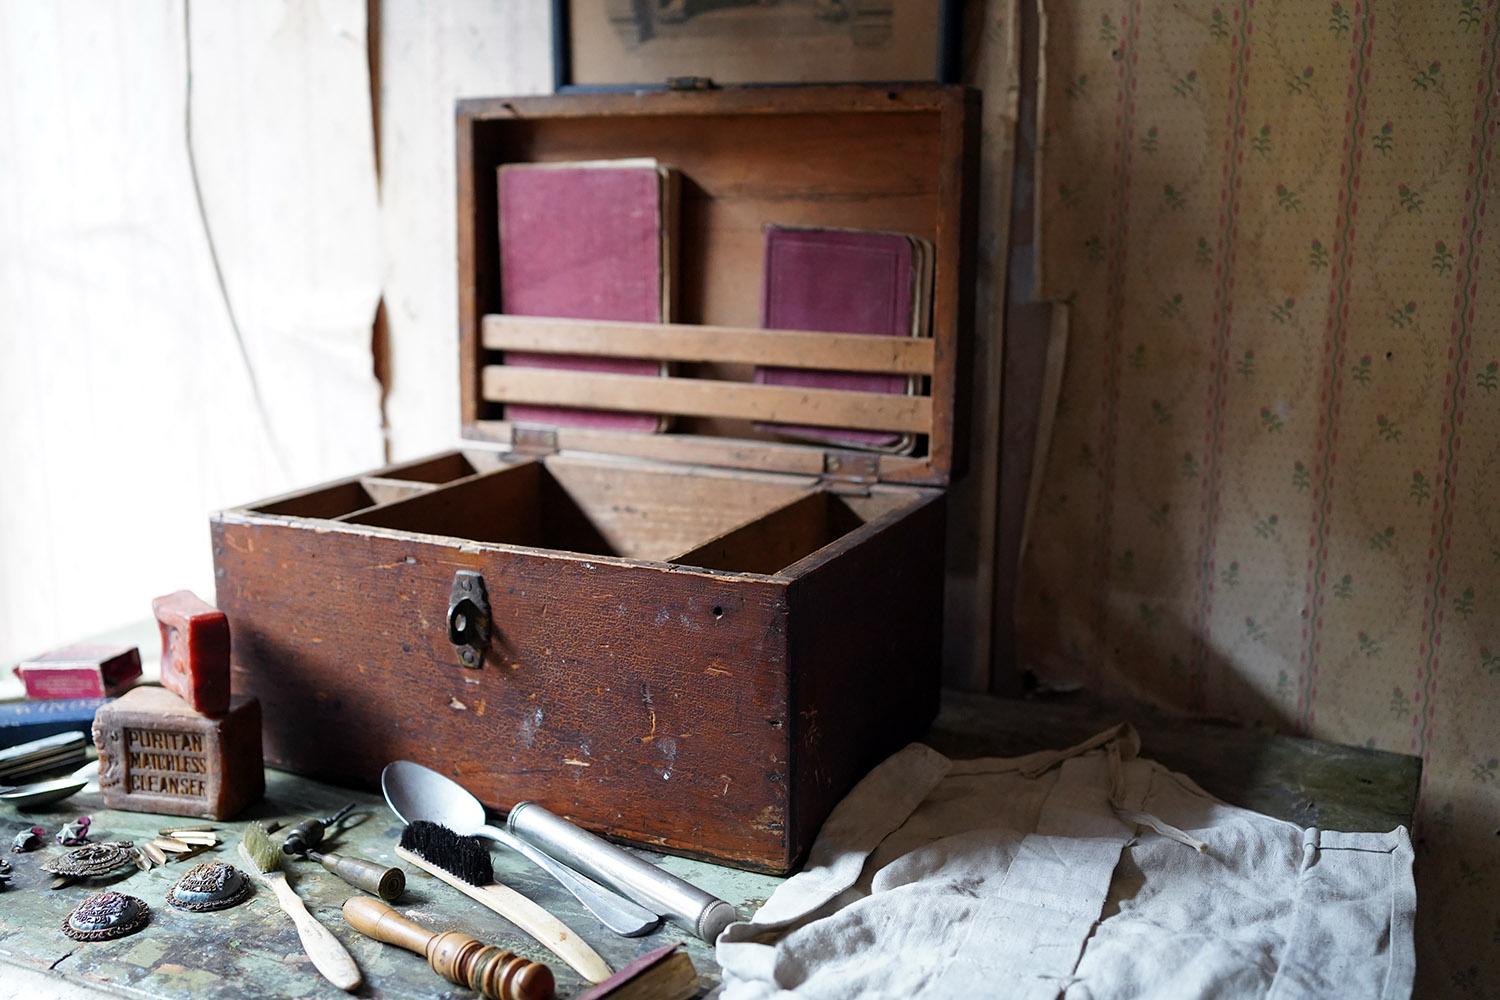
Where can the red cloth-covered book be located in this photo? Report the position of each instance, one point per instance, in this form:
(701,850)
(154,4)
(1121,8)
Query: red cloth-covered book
(842,281)
(586,241)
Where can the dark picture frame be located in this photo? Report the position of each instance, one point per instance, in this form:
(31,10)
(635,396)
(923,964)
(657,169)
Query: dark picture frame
(627,26)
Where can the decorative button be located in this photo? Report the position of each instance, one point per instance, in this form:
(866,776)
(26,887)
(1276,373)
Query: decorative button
(106,915)
(211,886)
(91,860)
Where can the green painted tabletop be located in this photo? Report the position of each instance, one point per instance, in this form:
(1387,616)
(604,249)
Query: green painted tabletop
(253,949)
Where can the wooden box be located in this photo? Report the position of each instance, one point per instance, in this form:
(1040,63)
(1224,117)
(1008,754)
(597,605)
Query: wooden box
(700,639)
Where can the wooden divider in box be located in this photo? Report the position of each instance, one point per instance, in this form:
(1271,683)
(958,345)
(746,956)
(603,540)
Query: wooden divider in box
(699,640)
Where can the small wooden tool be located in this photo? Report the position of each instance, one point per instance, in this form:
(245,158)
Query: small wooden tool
(549,931)
(458,958)
(328,954)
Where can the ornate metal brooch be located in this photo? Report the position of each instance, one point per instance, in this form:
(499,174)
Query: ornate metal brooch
(106,915)
(211,886)
(91,860)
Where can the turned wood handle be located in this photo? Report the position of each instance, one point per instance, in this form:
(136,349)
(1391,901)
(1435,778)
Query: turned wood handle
(459,958)
(328,956)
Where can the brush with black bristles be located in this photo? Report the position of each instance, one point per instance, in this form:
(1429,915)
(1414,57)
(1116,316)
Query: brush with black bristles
(332,959)
(464,863)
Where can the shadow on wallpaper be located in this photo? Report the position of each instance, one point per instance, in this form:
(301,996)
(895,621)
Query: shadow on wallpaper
(1271,490)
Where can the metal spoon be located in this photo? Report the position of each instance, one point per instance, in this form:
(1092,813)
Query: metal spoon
(416,793)
(41,793)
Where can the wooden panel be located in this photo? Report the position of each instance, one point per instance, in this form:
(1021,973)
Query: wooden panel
(884,158)
(687,449)
(734,453)
(706,398)
(321,501)
(866,655)
(385,490)
(656,513)
(442,468)
(498,507)
(843,352)
(590,507)
(775,540)
(646,702)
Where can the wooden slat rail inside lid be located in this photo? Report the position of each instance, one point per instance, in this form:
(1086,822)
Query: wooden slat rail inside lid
(849,352)
(692,397)
(895,159)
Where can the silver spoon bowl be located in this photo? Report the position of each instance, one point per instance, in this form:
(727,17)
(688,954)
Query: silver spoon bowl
(416,793)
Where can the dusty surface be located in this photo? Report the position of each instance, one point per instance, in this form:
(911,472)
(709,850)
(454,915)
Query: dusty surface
(253,949)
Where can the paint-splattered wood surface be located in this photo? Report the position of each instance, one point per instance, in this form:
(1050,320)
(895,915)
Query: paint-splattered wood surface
(253,950)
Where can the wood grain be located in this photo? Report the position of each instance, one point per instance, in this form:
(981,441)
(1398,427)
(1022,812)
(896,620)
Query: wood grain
(704,398)
(603,675)
(775,540)
(867,657)
(529,917)
(328,954)
(845,352)
(894,158)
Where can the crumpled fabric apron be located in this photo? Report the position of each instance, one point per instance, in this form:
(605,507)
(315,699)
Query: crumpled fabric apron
(1084,873)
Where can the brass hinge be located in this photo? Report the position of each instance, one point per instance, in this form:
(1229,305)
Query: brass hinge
(533,440)
(851,472)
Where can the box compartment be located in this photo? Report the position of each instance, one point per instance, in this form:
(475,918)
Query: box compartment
(701,639)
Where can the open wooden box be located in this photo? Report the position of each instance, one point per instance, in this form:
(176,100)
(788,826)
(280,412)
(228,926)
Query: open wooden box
(697,640)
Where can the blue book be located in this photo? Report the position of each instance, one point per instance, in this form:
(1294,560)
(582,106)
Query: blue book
(22,721)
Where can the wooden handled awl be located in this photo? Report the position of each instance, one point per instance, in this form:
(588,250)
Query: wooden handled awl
(458,958)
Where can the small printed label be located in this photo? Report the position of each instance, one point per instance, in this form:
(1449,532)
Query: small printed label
(164,762)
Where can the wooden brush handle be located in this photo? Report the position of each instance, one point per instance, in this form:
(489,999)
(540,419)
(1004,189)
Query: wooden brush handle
(549,931)
(328,956)
(459,958)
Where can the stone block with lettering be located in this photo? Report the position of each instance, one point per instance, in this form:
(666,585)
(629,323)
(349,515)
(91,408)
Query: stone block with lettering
(157,755)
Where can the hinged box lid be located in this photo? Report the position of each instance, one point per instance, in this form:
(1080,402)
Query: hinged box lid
(887,158)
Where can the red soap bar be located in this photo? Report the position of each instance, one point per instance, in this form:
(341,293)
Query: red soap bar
(194,651)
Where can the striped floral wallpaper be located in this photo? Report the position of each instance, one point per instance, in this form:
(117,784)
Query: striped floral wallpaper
(1273,489)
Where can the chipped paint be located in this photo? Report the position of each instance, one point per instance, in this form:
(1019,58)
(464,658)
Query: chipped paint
(575,762)
(526,735)
(457,705)
(146,954)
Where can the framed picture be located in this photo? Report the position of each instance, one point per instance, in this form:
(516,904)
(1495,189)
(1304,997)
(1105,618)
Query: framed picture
(631,44)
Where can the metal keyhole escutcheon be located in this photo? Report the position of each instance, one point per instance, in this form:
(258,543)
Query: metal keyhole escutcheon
(469,618)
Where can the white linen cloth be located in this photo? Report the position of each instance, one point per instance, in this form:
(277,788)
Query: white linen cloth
(1085,874)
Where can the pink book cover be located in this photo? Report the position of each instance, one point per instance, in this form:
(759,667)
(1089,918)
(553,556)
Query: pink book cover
(837,281)
(582,242)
